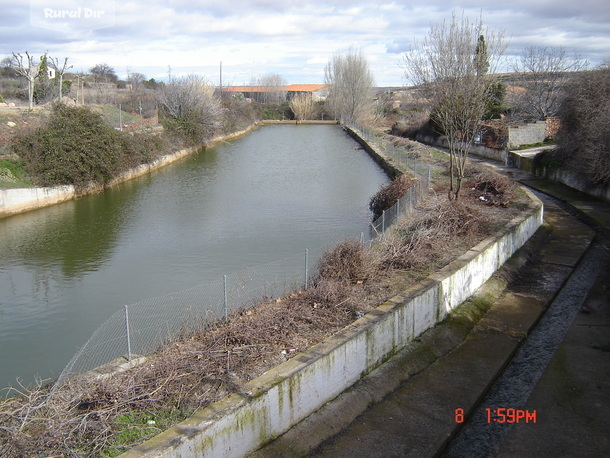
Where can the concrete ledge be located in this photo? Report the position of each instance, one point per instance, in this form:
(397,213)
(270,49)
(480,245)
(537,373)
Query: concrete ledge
(526,160)
(500,155)
(20,200)
(285,395)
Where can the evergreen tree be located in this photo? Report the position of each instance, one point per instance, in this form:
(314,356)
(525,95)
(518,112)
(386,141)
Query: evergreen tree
(44,87)
(480,56)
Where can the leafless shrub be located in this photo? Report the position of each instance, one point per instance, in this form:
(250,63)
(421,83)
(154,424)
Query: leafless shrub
(346,263)
(491,188)
(426,237)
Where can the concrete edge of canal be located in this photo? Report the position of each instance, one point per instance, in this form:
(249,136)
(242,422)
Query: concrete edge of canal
(446,393)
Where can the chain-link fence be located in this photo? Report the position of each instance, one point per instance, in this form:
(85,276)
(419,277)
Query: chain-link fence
(404,161)
(140,329)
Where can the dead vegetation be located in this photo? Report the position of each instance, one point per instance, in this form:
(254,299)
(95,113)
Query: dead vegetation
(389,194)
(106,417)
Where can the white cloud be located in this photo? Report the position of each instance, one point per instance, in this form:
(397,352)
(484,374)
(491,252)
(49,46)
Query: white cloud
(296,39)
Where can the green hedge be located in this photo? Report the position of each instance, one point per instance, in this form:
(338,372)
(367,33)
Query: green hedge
(76,146)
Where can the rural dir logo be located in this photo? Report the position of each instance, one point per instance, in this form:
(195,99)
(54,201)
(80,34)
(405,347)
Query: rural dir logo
(72,15)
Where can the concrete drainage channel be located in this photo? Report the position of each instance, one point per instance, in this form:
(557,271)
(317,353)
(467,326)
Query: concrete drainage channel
(272,404)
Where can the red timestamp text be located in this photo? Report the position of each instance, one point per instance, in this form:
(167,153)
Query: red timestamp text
(503,415)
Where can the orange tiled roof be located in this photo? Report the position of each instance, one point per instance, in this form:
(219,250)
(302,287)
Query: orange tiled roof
(289,88)
(243,89)
(304,87)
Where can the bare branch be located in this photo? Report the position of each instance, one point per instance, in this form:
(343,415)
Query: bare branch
(350,83)
(59,71)
(544,74)
(450,68)
(26,67)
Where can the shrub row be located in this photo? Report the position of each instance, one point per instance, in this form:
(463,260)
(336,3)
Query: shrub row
(76,146)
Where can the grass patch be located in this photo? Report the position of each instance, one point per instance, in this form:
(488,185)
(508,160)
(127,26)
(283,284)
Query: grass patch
(12,174)
(110,114)
(134,428)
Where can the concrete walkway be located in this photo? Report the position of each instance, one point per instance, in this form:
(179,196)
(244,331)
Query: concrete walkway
(430,399)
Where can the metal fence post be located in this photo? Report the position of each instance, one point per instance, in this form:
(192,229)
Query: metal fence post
(224,277)
(306,268)
(127,333)
(383,222)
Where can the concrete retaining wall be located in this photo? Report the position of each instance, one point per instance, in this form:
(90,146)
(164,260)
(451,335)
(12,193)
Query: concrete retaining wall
(19,200)
(525,160)
(479,150)
(269,405)
(572,180)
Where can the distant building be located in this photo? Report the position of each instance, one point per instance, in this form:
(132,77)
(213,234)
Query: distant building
(317,91)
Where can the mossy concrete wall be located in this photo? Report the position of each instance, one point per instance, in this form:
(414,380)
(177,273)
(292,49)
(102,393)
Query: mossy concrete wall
(479,150)
(269,405)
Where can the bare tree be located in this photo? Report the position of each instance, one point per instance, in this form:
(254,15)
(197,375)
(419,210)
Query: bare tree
(136,79)
(350,83)
(450,68)
(103,73)
(60,70)
(274,88)
(29,69)
(544,72)
(7,67)
(303,106)
(188,105)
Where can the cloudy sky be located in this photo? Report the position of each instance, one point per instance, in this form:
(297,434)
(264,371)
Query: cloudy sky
(294,38)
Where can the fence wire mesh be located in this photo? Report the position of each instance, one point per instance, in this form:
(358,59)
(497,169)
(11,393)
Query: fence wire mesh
(142,328)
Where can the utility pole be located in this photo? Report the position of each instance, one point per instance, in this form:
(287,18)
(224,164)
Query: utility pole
(221,79)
